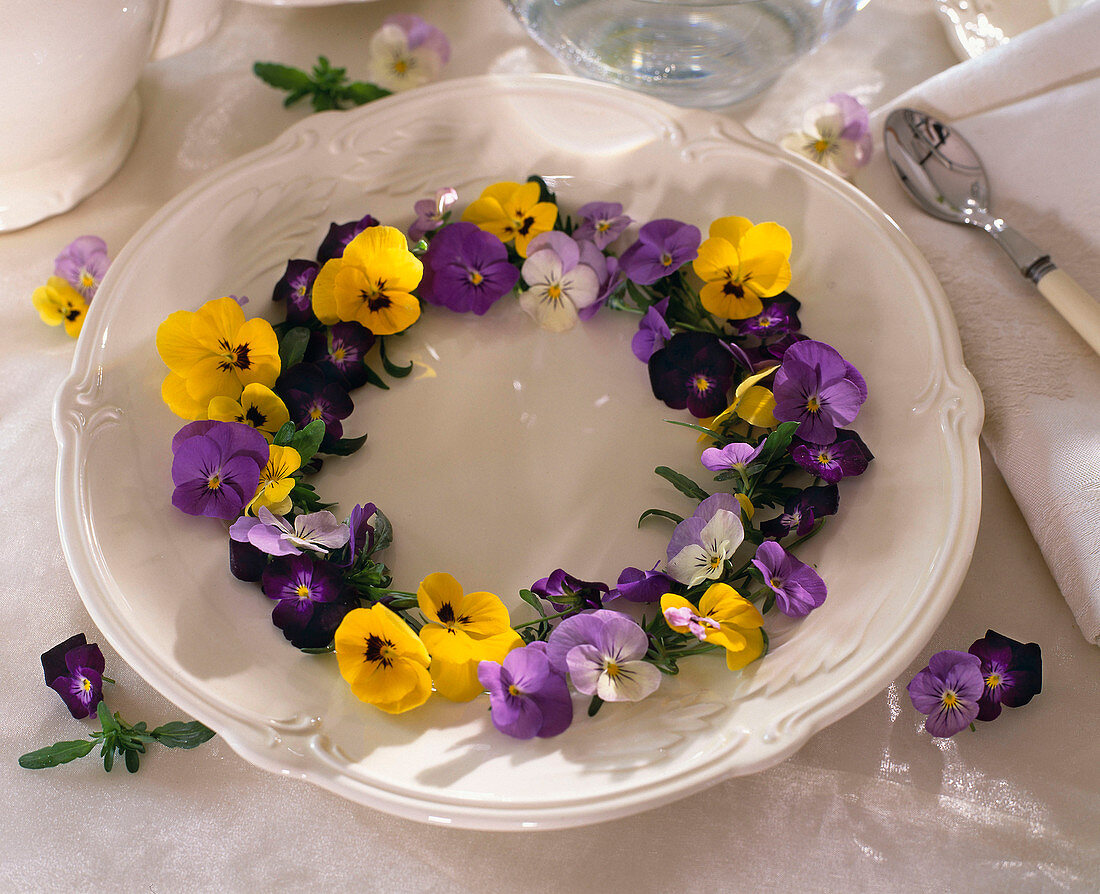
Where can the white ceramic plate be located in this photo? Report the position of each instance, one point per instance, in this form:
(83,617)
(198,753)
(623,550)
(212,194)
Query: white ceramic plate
(512,451)
(976,26)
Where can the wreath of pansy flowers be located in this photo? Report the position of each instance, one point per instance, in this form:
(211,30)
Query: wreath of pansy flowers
(720,336)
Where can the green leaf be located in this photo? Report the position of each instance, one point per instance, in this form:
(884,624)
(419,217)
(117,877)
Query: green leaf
(108,756)
(180,734)
(308,440)
(545,194)
(682,483)
(702,429)
(321,650)
(360,92)
(346,446)
(284,434)
(284,77)
(133,761)
(109,724)
(58,753)
(374,379)
(383,531)
(661,513)
(398,372)
(532,600)
(594,705)
(777,443)
(292,347)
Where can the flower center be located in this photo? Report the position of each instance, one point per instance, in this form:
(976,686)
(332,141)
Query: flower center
(71,314)
(612,669)
(701,384)
(776,583)
(214,482)
(950,699)
(476,279)
(813,404)
(339,354)
(302,591)
(378,649)
(666,259)
(315,412)
(602,226)
(554,292)
(376,301)
(254,417)
(85,684)
(524,227)
(86,279)
(514,690)
(235,357)
(400,66)
(994,680)
(821,147)
(823,458)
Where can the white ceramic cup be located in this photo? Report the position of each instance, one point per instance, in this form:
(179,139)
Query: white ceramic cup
(68,102)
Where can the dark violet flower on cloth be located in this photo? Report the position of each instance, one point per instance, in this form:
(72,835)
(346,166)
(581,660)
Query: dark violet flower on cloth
(603,652)
(295,287)
(693,370)
(563,591)
(819,389)
(276,536)
(1012,673)
(653,332)
(339,235)
(845,457)
(82,264)
(74,670)
(466,269)
(340,351)
(798,588)
(701,545)
(738,456)
(310,396)
(527,696)
(601,223)
(948,690)
(663,247)
(310,599)
(636,585)
(431,212)
(801,511)
(216,468)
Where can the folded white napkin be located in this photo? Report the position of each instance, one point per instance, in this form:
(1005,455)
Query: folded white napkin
(1031,110)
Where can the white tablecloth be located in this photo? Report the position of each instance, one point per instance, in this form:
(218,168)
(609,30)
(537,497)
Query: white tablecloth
(871,803)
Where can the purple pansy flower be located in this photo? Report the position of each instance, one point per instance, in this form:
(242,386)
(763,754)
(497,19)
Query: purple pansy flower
(216,472)
(466,269)
(819,389)
(767,352)
(310,599)
(1012,673)
(564,591)
(74,670)
(316,531)
(737,456)
(798,588)
(609,277)
(340,352)
(527,696)
(801,511)
(601,223)
(653,332)
(778,318)
(296,288)
(82,264)
(947,690)
(845,457)
(701,545)
(635,585)
(361,531)
(430,213)
(694,371)
(663,247)
(339,235)
(603,652)
(246,562)
(309,396)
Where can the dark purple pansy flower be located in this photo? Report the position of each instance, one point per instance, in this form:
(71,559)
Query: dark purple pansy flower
(801,511)
(693,370)
(636,585)
(309,396)
(819,389)
(340,353)
(767,352)
(778,318)
(74,670)
(310,599)
(653,332)
(246,562)
(601,223)
(527,696)
(1012,673)
(846,457)
(361,531)
(563,591)
(466,269)
(609,277)
(216,472)
(296,288)
(663,247)
(798,588)
(947,690)
(339,235)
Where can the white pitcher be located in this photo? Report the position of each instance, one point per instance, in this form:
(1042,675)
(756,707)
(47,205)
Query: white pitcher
(68,102)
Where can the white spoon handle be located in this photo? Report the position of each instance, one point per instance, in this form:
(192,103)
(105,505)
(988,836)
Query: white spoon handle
(1077,307)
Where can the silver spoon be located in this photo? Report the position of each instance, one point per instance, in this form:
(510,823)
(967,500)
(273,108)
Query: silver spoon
(944,176)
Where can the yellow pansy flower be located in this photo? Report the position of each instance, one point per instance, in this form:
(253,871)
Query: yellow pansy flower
(740,264)
(462,631)
(382,660)
(751,401)
(724,617)
(276,481)
(214,352)
(58,303)
(371,283)
(512,211)
(257,406)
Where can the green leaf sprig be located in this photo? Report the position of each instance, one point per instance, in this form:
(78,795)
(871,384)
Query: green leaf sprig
(327,87)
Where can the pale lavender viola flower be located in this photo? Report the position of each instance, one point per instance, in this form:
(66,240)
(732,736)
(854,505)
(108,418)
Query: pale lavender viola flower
(701,545)
(407,52)
(836,134)
(948,691)
(601,223)
(83,264)
(819,389)
(558,282)
(653,332)
(603,652)
(798,588)
(316,531)
(431,213)
(528,697)
(663,247)
(735,456)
